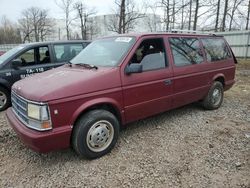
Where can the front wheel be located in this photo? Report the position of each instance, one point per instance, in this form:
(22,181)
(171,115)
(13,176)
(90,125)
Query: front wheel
(95,134)
(214,98)
(4,98)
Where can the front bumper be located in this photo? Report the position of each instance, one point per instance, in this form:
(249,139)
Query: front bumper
(43,142)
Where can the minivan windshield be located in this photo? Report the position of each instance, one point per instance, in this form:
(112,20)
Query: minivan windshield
(105,52)
(10,53)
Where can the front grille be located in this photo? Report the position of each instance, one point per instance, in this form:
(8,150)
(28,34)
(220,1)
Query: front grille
(20,106)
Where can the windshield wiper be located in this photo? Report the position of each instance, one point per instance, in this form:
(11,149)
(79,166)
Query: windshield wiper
(69,63)
(87,65)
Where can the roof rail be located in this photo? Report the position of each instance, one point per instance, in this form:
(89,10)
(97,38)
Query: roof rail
(190,31)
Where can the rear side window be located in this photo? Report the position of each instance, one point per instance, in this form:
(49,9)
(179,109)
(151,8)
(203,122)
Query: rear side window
(65,52)
(44,56)
(186,51)
(216,49)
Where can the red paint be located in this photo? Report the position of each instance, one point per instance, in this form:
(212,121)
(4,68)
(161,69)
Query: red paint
(72,90)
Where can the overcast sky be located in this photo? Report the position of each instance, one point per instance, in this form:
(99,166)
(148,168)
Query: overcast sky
(13,8)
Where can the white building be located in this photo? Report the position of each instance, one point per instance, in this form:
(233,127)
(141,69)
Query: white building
(100,26)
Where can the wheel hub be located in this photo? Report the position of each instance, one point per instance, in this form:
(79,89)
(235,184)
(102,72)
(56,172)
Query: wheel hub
(100,135)
(3,99)
(216,96)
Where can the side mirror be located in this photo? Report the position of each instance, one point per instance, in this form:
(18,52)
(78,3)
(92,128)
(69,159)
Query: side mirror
(16,63)
(133,68)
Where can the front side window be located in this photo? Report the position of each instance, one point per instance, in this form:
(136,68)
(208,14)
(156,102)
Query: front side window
(216,49)
(186,51)
(106,52)
(28,57)
(65,52)
(150,54)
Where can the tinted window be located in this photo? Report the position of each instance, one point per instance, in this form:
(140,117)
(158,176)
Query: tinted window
(151,54)
(216,49)
(186,51)
(65,52)
(44,56)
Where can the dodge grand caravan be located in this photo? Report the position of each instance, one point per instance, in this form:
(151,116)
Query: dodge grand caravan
(117,80)
(27,59)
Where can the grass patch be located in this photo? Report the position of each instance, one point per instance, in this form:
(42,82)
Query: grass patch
(243,63)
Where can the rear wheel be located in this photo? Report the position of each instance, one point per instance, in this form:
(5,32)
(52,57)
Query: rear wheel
(4,98)
(214,98)
(95,134)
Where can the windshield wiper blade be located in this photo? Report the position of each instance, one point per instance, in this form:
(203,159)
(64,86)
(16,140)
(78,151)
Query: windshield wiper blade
(69,63)
(87,65)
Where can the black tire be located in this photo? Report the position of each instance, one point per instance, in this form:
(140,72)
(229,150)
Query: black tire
(211,102)
(87,124)
(4,99)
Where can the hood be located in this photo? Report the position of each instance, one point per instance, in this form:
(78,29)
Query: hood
(66,82)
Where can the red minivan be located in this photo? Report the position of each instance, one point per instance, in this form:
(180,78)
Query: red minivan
(117,80)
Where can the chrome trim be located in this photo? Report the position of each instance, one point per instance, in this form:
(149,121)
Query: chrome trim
(29,101)
(25,116)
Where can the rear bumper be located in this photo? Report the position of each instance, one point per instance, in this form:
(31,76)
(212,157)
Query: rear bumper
(43,142)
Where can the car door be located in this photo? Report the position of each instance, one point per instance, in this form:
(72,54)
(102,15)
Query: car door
(34,60)
(190,77)
(148,92)
(28,59)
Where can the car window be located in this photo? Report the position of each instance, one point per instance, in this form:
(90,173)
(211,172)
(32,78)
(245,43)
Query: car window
(186,51)
(10,53)
(27,58)
(106,52)
(65,52)
(150,54)
(44,55)
(216,49)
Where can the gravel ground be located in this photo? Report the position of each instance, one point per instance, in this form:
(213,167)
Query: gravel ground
(186,147)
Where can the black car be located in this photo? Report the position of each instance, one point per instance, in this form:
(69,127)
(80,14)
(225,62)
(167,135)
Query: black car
(27,59)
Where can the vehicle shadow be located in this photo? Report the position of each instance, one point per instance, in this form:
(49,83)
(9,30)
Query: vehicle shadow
(68,155)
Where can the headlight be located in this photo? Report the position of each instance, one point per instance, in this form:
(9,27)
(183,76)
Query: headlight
(38,112)
(39,118)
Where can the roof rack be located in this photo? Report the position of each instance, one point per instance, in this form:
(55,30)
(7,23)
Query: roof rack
(190,31)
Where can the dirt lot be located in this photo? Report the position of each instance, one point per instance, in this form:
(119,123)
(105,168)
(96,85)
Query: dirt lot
(186,147)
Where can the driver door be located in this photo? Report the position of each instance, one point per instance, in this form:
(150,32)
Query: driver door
(34,60)
(149,92)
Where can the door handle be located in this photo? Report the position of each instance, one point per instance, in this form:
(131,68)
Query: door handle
(168,82)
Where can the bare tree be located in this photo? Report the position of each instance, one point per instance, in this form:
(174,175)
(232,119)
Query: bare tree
(153,20)
(83,13)
(217,16)
(125,17)
(173,12)
(45,27)
(8,32)
(35,24)
(166,19)
(190,14)
(223,27)
(182,14)
(67,7)
(248,15)
(26,27)
(196,14)
(93,28)
(235,6)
